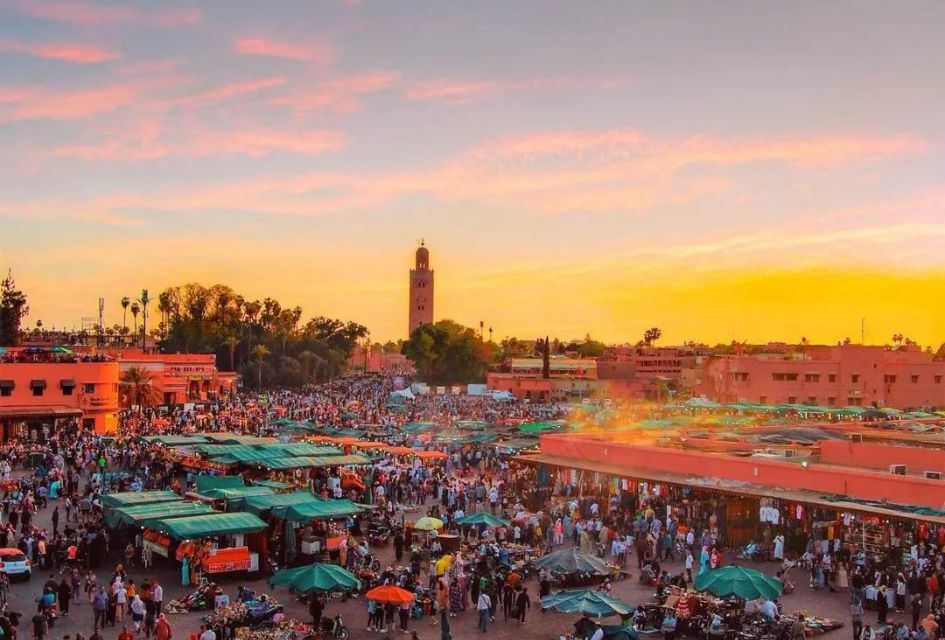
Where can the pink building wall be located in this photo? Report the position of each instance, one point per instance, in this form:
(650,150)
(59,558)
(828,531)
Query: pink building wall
(833,376)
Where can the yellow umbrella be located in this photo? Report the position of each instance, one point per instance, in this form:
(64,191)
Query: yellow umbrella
(428,524)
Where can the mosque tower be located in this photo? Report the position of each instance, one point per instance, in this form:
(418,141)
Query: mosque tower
(421,290)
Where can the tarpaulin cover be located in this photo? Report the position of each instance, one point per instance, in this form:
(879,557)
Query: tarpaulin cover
(204,526)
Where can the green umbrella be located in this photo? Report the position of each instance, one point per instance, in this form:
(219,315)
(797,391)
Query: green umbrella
(745,583)
(571,561)
(315,577)
(483,518)
(586,601)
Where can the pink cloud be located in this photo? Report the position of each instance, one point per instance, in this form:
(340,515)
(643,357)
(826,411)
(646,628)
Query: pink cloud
(452,92)
(32,104)
(147,143)
(319,52)
(338,94)
(227,91)
(77,12)
(66,52)
(455,92)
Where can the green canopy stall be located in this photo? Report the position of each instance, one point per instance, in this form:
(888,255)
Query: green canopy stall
(137,515)
(131,498)
(205,526)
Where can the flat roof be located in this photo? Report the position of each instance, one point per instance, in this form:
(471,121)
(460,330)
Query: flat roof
(733,487)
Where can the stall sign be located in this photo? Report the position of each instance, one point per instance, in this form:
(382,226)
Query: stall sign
(226,560)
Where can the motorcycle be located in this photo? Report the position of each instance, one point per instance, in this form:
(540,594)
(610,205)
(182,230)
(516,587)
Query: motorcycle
(333,629)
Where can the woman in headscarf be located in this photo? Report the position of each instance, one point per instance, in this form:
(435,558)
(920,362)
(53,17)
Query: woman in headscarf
(456,598)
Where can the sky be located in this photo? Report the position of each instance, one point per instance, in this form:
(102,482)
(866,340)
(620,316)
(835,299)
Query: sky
(736,170)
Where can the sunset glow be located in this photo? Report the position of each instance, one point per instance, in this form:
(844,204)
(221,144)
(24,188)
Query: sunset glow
(574,169)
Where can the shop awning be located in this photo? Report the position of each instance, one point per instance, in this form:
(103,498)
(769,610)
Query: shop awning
(237,493)
(7,384)
(131,498)
(305,462)
(211,483)
(40,384)
(205,526)
(67,383)
(141,513)
(39,412)
(317,510)
(260,505)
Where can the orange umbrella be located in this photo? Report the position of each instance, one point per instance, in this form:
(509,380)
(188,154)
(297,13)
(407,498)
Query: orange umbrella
(389,593)
(432,455)
(401,451)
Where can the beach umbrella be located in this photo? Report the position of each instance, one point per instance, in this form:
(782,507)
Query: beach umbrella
(571,561)
(427,523)
(588,602)
(389,593)
(315,577)
(483,518)
(743,582)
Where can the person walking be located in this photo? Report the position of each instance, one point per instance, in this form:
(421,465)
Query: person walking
(99,607)
(856,616)
(522,602)
(482,607)
(64,592)
(162,629)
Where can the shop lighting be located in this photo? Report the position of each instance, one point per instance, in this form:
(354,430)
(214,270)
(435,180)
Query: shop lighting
(804,464)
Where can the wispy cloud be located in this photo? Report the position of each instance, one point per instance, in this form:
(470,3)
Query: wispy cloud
(341,94)
(318,52)
(33,104)
(66,52)
(150,142)
(77,12)
(226,91)
(456,92)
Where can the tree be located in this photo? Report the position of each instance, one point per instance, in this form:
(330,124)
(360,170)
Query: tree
(650,336)
(13,309)
(515,348)
(125,301)
(231,341)
(144,300)
(591,348)
(135,310)
(137,388)
(448,353)
(260,351)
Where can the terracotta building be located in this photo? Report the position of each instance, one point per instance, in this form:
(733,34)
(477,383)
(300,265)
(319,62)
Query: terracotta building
(841,375)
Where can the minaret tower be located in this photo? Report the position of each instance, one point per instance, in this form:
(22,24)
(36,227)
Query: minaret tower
(421,290)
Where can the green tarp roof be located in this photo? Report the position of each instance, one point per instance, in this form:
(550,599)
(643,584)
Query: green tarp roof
(253,453)
(137,515)
(129,498)
(316,509)
(272,484)
(210,483)
(263,504)
(301,462)
(237,438)
(174,440)
(237,493)
(213,524)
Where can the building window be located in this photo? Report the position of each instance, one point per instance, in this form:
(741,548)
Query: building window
(811,400)
(781,377)
(832,377)
(67,390)
(38,391)
(915,379)
(831,401)
(938,379)
(6,392)
(811,377)
(762,399)
(88,387)
(88,423)
(889,379)
(792,399)
(855,378)
(855,401)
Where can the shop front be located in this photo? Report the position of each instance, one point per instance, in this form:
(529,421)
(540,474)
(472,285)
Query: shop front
(36,424)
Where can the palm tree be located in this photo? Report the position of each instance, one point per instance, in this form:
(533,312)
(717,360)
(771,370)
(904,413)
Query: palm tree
(231,341)
(124,310)
(144,300)
(260,351)
(137,388)
(135,310)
